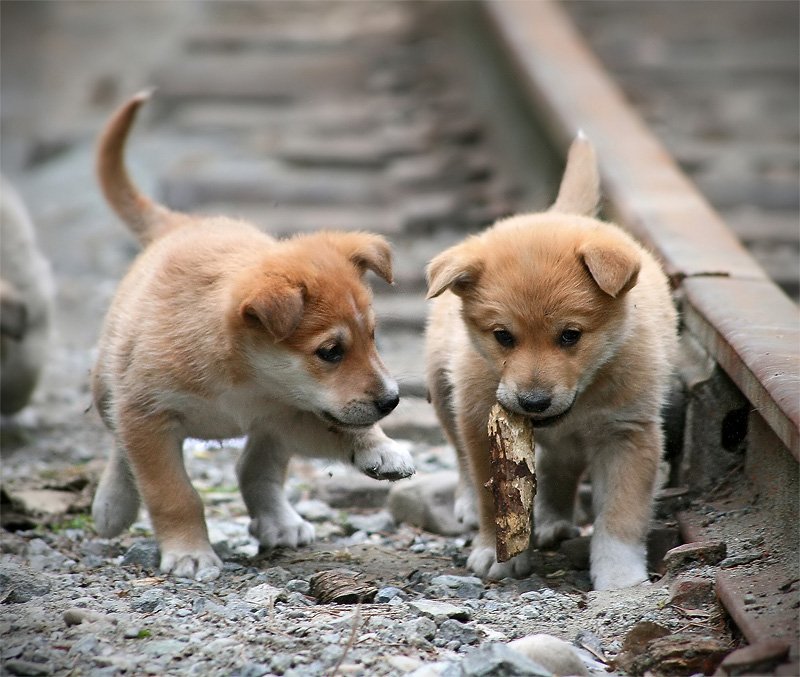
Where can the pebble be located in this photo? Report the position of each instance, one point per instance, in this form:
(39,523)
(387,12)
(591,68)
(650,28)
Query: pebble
(27,668)
(454,631)
(440,611)
(551,653)
(496,658)
(144,554)
(465,587)
(19,585)
(389,593)
(76,616)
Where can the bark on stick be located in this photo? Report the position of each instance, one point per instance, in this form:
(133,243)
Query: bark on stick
(513,481)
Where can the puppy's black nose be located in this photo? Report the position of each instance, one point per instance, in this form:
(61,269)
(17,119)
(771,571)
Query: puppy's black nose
(535,402)
(387,403)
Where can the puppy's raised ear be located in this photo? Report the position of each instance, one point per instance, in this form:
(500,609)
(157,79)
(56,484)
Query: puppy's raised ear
(367,252)
(277,305)
(579,192)
(613,265)
(454,269)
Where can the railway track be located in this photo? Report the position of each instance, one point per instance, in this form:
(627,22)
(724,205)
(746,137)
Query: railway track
(421,122)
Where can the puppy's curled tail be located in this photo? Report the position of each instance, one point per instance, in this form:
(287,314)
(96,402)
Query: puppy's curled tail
(146,219)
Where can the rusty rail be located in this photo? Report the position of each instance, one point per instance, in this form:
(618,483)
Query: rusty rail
(742,321)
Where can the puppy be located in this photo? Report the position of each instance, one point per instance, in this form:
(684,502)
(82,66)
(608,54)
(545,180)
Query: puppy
(219,330)
(26,294)
(567,320)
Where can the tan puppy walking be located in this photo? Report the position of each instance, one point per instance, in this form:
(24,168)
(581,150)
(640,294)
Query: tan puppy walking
(567,320)
(219,330)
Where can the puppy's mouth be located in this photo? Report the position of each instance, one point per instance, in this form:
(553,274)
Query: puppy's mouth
(343,425)
(547,421)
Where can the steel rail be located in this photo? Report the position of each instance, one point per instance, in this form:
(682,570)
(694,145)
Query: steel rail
(742,319)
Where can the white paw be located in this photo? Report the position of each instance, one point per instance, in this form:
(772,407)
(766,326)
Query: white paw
(617,564)
(387,460)
(483,561)
(551,533)
(464,508)
(285,529)
(188,562)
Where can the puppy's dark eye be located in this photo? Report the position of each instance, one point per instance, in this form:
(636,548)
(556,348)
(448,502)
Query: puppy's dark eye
(504,337)
(333,353)
(569,337)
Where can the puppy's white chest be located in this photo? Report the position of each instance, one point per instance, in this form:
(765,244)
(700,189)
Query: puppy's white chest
(230,414)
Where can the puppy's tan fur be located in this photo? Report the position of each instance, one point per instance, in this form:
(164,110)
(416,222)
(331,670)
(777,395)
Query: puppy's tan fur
(219,330)
(595,400)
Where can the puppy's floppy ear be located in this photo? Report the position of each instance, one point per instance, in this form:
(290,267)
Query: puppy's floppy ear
(579,192)
(277,305)
(367,252)
(613,265)
(453,269)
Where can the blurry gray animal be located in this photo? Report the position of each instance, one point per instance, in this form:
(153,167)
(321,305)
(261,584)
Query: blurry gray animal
(26,292)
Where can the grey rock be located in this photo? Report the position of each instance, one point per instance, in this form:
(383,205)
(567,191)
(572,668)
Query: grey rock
(454,631)
(208,574)
(440,611)
(550,652)
(498,660)
(87,644)
(143,554)
(388,593)
(149,601)
(163,648)
(372,523)
(315,510)
(253,670)
(18,585)
(419,629)
(76,616)
(16,666)
(464,587)
(297,585)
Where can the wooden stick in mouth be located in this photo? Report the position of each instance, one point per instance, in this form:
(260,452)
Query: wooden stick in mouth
(513,481)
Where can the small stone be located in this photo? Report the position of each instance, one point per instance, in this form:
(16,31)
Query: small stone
(440,611)
(463,587)
(149,601)
(144,554)
(254,670)
(550,652)
(499,659)
(265,594)
(314,510)
(207,574)
(16,666)
(691,554)
(389,593)
(297,585)
(418,629)
(691,592)
(18,586)
(76,616)
(756,659)
(379,522)
(453,630)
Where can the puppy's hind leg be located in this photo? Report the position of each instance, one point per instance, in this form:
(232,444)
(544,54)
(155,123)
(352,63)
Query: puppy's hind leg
(558,474)
(116,501)
(262,472)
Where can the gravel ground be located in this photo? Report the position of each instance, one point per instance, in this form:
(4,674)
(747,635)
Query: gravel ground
(73,603)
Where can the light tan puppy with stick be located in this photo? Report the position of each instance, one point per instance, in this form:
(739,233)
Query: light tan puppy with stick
(565,319)
(219,330)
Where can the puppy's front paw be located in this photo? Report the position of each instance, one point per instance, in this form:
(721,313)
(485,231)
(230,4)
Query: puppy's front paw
(617,564)
(185,562)
(388,460)
(483,561)
(550,533)
(286,529)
